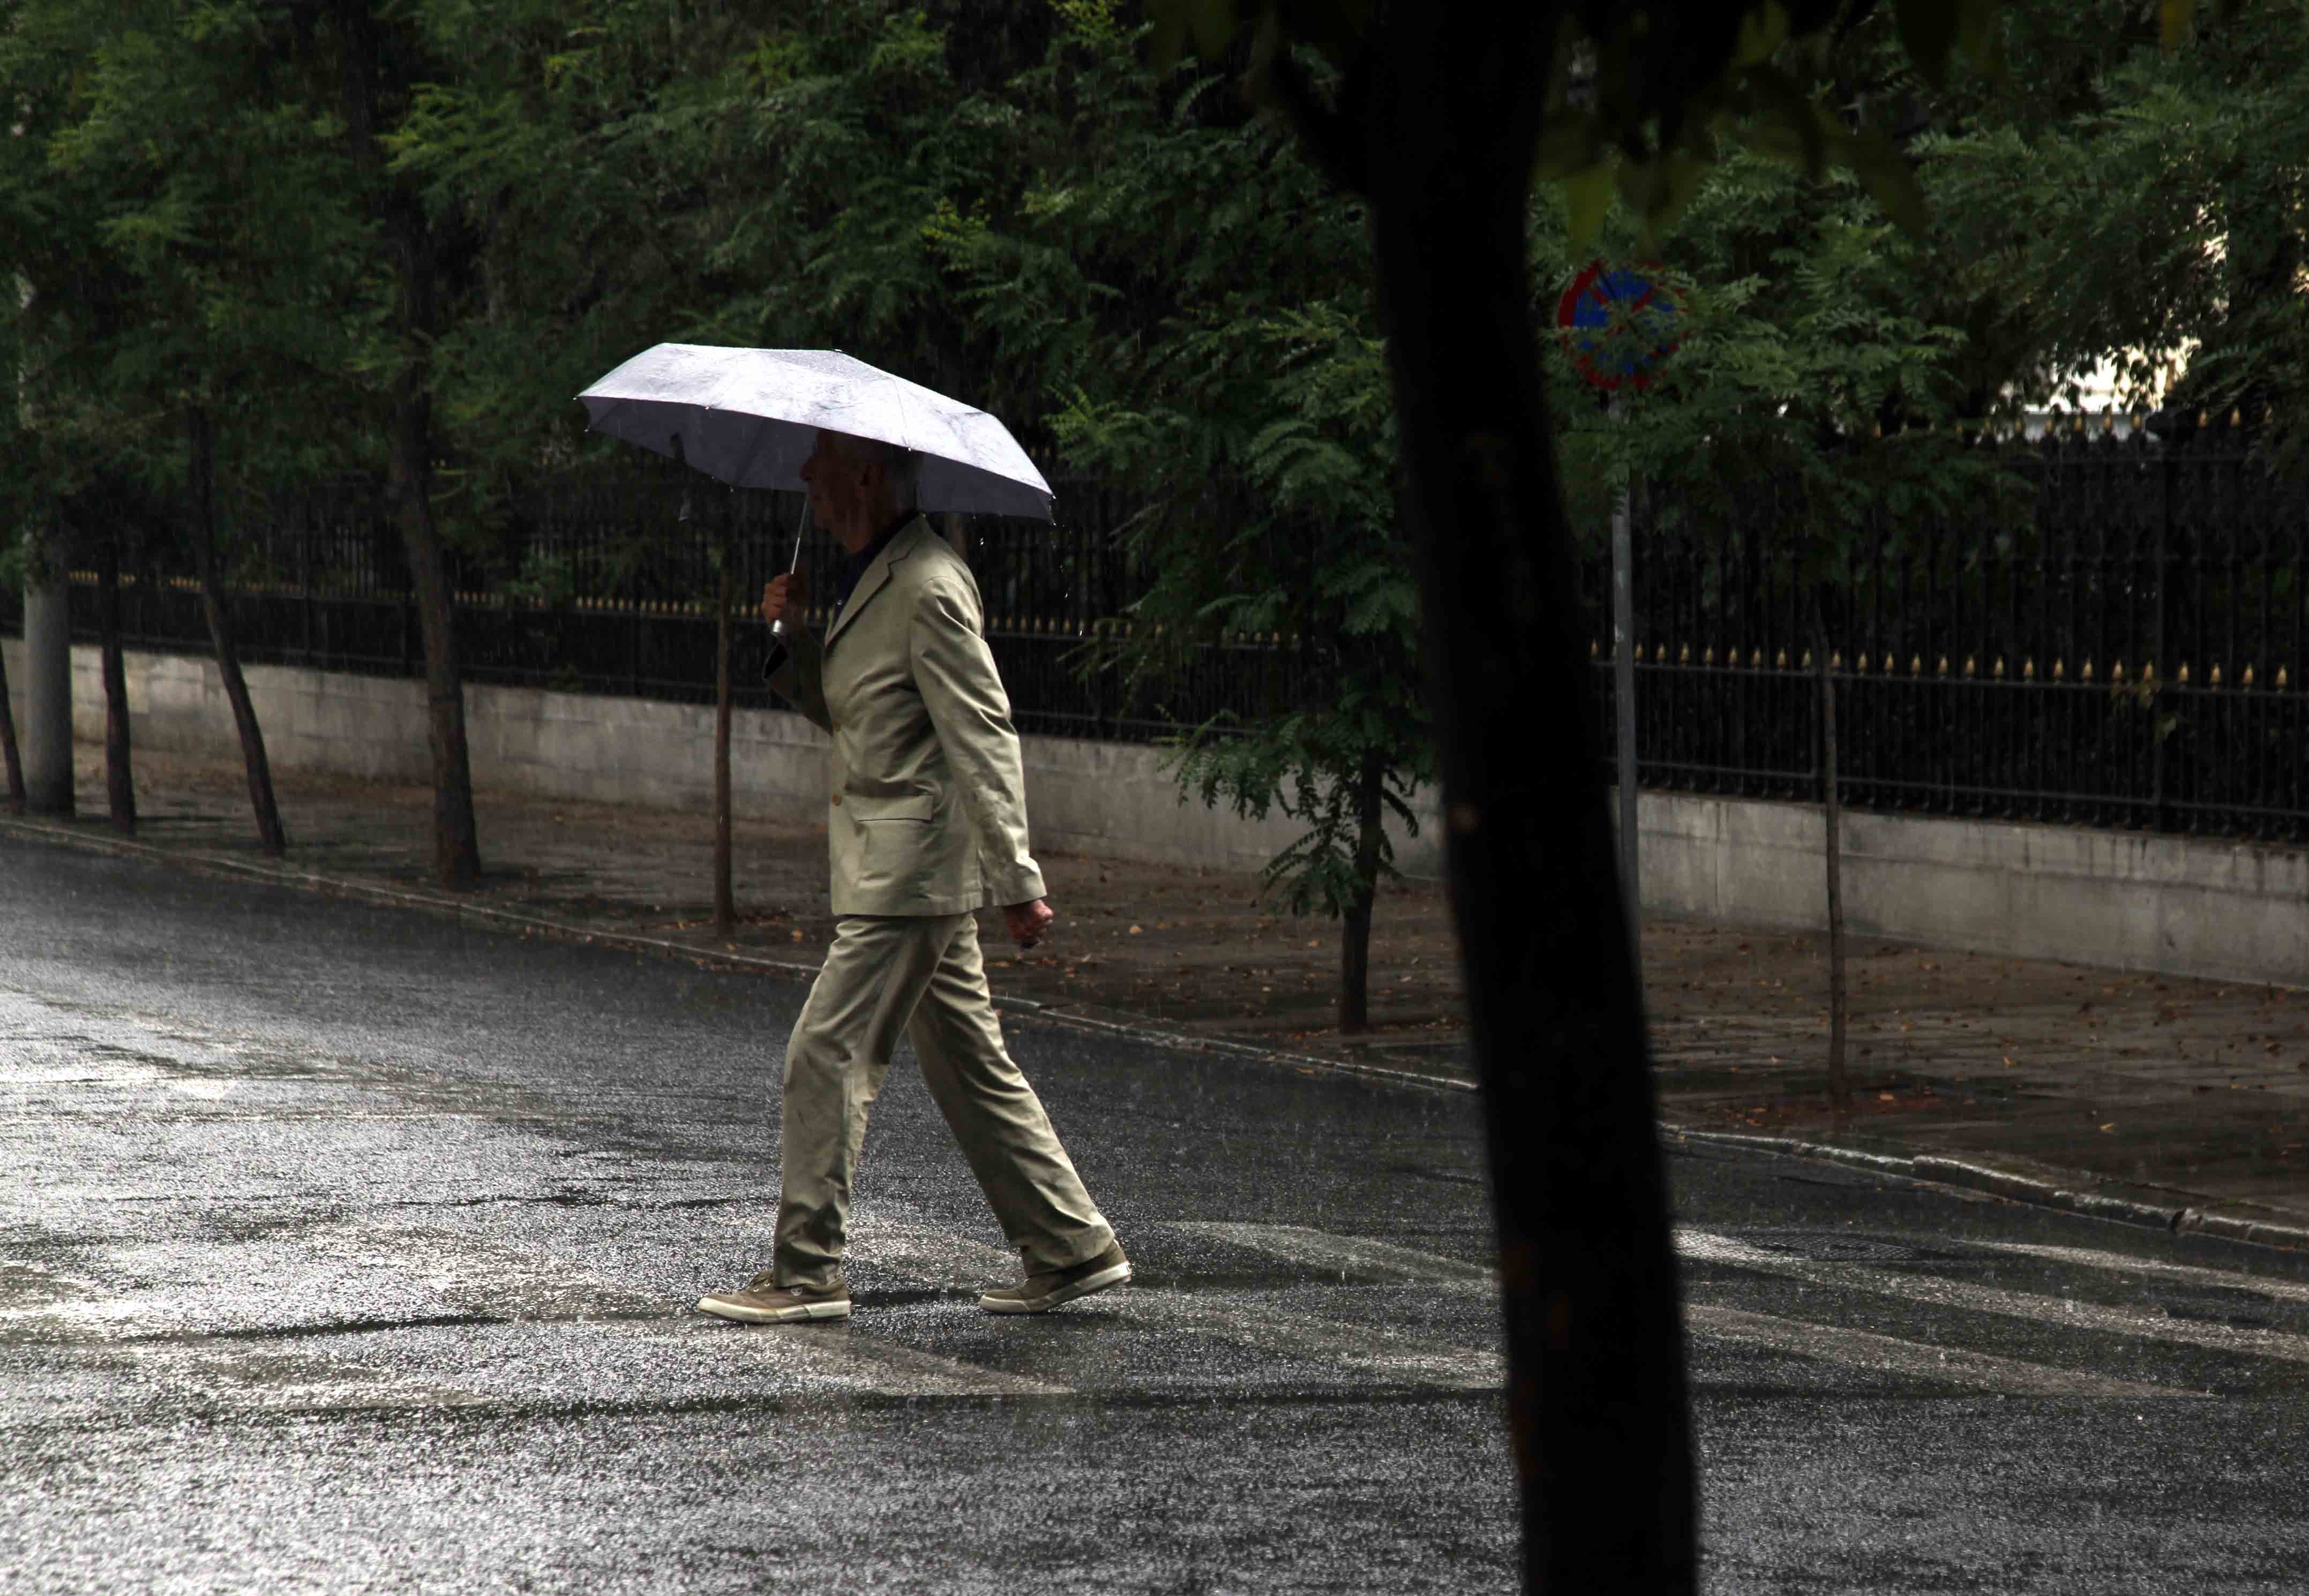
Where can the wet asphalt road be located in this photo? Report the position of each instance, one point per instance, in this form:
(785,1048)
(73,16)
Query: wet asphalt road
(348,1250)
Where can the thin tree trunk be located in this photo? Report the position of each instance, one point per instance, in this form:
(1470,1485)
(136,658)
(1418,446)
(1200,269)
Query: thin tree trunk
(119,779)
(1596,1397)
(16,798)
(1840,1081)
(456,846)
(1355,923)
(725,903)
(269,831)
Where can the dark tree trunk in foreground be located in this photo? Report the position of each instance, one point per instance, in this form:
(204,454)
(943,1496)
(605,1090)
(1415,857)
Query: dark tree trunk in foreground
(16,798)
(269,831)
(1355,923)
(119,779)
(1596,1400)
(1839,1082)
(410,239)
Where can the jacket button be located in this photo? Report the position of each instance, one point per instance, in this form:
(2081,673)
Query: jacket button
(837,801)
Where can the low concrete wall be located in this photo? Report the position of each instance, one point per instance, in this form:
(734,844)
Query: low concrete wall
(2226,911)
(1087,798)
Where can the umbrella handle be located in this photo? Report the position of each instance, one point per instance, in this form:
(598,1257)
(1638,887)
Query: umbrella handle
(778,627)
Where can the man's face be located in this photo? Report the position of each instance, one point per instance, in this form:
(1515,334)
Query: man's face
(841,487)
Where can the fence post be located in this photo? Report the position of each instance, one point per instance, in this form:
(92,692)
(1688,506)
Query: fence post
(307,535)
(2160,595)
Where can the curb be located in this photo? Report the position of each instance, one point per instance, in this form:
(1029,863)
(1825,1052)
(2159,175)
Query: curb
(538,925)
(2050,1189)
(2053,1189)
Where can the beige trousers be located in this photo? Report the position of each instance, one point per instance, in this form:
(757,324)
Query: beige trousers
(920,974)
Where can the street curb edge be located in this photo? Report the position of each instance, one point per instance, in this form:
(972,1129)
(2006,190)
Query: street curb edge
(2180,1219)
(1025,1008)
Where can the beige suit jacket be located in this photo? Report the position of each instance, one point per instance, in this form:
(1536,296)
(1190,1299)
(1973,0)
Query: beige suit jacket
(928,808)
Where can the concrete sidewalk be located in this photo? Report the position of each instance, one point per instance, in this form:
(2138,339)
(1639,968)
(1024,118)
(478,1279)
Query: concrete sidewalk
(2149,1098)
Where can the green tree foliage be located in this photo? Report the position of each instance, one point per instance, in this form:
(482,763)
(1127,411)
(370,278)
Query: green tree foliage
(1218,363)
(1805,363)
(180,221)
(2135,191)
(188,321)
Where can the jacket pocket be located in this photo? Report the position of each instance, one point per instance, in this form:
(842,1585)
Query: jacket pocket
(911,806)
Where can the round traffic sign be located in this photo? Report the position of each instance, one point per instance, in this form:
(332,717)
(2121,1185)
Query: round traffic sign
(1617,325)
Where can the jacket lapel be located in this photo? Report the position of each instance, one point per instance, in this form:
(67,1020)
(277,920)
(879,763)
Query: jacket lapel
(872,580)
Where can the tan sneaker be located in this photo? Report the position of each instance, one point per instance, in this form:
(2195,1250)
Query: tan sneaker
(1043,1292)
(763,1301)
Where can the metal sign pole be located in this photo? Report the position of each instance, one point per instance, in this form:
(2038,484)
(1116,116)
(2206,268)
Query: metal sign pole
(1614,352)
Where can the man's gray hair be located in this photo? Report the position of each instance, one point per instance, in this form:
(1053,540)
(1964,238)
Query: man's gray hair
(902,467)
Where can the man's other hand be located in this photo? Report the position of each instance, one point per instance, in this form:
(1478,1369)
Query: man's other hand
(1028,921)
(783,597)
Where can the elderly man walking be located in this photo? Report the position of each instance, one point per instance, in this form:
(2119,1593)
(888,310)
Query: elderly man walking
(926,824)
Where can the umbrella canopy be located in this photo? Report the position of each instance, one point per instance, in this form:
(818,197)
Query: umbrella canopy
(751,417)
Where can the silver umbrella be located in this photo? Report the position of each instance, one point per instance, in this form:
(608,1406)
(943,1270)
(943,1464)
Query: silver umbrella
(750,416)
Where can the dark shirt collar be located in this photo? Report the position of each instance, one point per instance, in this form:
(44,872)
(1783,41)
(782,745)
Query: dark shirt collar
(853,565)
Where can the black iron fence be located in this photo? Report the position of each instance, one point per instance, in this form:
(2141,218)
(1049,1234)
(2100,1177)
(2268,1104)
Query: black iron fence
(2128,655)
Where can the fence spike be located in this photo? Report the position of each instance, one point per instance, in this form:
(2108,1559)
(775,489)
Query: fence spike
(2147,672)
(2108,421)
(2116,671)
(2246,679)
(1834,661)
(1783,660)
(2086,673)
(1915,665)
(2216,675)
(2204,419)
(1659,655)
(1708,655)
(2280,678)
(2236,417)
(1594,649)
(1998,672)
(1756,659)
(2185,673)
(2060,672)
(1943,669)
